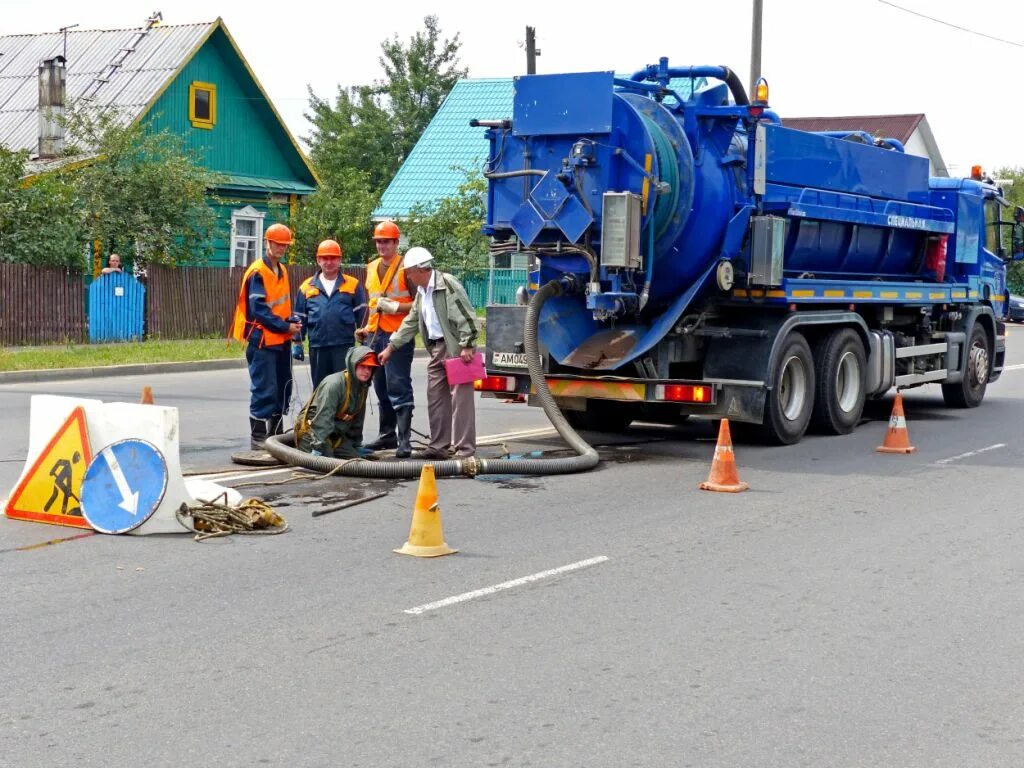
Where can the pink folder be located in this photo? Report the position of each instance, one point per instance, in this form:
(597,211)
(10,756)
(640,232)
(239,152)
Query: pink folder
(459,372)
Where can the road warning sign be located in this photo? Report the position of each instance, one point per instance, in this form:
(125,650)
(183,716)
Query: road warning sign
(50,491)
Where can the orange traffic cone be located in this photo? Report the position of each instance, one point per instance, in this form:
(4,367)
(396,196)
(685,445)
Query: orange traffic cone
(723,475)
(147,396)
(897,439)
(426,538)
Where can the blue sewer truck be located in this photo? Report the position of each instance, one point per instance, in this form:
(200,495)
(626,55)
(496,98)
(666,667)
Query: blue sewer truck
(695,257)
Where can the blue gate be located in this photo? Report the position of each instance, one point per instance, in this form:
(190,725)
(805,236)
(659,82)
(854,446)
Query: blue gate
(116,308)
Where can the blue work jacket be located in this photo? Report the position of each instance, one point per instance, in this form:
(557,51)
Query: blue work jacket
(330,321)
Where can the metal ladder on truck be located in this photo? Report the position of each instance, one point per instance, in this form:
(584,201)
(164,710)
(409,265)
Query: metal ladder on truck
(108,71)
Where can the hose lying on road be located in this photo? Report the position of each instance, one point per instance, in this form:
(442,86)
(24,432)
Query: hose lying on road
(282,447)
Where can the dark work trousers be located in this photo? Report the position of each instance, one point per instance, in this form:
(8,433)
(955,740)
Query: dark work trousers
(450,409)
(270,371)
(392,382)
(323,361)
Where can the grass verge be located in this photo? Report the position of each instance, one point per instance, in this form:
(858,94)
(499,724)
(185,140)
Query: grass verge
(95,355)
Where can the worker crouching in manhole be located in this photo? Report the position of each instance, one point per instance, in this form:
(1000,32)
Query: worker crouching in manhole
(331,423)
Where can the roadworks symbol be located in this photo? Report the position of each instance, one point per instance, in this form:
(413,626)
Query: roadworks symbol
(50,491)
(734,407)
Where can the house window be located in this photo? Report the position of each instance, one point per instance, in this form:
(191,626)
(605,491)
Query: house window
(202,105)
(246,236)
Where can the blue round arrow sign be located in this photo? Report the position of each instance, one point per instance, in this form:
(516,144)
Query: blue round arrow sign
(123,486)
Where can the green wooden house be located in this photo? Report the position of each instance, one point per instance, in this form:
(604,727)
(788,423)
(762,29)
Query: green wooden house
(191,79)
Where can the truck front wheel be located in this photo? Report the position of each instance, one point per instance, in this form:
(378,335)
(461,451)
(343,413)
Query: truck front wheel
(840,364)
(791,397)
(969,391)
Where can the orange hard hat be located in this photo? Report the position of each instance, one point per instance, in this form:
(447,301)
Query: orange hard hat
(329,248)
(370,360)
(279,233)
(386,230)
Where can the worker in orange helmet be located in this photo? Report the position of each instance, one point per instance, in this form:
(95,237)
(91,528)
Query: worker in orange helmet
(328,303)
(264,319)
(390,302)
(331,423)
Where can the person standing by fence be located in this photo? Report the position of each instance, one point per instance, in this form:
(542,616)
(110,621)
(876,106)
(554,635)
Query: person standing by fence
(263,319)
(444,318)
(390,301)
(327,303)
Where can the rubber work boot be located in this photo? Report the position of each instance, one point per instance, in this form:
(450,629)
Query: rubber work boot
(257,433)
(404,418)
(383,443)
(275,425)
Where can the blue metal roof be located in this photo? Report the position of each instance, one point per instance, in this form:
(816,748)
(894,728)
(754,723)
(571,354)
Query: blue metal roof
(431,171)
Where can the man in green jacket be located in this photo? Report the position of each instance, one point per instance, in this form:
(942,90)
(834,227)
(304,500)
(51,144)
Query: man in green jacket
(331,423)
(442,314)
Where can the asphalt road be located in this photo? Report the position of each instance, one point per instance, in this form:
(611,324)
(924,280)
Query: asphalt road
(851,609)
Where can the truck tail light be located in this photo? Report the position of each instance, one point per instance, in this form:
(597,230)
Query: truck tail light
(683,393)
(495,384)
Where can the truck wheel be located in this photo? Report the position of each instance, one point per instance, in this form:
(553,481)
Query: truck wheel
(969,391)
(840,364)
(791,398)
(602,416)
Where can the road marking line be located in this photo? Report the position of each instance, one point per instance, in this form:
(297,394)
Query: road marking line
(506,585)
(542,432)
(231,476)
(1017,367)
(972,453)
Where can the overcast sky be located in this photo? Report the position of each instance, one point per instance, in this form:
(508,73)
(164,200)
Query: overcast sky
(820,57)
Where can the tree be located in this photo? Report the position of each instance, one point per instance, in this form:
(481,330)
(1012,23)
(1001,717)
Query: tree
(340,210)
(418,78)
(42,221)
(372,128)
(450,228)
(144,193)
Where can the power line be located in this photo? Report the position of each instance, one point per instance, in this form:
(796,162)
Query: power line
(949,24)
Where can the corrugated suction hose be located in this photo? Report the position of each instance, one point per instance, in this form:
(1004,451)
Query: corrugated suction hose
(282,447)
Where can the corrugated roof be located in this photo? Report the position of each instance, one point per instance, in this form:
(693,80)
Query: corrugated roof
(430,172)
(130,89)
(899,127)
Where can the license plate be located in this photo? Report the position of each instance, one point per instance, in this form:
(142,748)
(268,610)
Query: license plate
(509,359)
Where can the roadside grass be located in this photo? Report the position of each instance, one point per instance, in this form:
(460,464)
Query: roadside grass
(130,353)
(95,355)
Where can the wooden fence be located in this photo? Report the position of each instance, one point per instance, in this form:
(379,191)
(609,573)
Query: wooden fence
(48,305)
(191,302)
(41,306)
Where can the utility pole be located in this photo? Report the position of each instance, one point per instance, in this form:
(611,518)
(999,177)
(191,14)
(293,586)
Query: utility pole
(755,47)
(531,51)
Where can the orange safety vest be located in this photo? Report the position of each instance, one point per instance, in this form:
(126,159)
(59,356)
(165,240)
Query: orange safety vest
(393,287)
(279,299)
(348,285)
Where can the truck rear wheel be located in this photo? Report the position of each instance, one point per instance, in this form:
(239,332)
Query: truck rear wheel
(970,390)
(791,397)
(839,365)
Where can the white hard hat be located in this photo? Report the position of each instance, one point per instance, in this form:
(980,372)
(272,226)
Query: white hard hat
(418,257)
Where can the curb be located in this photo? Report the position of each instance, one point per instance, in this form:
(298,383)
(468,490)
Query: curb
(142,369)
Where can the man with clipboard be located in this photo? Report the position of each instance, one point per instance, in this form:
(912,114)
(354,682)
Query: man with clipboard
(390,302)
(443,316)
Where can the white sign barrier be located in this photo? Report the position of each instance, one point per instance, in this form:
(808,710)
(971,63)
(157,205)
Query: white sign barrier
(109,423)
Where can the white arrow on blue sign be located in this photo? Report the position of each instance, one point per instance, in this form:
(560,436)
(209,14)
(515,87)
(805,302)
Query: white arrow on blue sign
(123,486)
